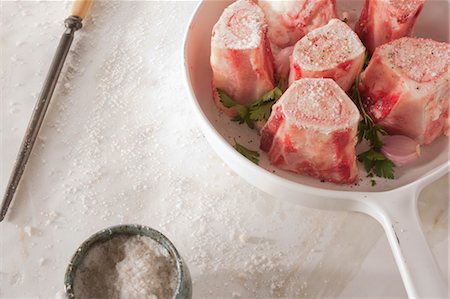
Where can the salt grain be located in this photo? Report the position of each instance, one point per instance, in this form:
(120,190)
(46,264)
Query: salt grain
(328,46)
(59,295)
(42,261)
(241,26)
(153,158)
(406,6)
(28,230)
(126,267)
(244,238)
(319,104)
(420,59)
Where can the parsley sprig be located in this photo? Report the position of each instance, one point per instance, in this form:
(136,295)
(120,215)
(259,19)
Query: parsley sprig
(375,162)
(243,115)
(249,154)
(258,111)
(366,60)
(261,109)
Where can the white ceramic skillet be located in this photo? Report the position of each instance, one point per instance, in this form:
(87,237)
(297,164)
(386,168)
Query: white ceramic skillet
(392,202)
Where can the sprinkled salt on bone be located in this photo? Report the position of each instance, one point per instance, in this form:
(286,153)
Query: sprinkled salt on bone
(320,105)
(420,59)
(314,111)
(240,27)
(409,79)
(332,51)
(386,20)
(405,6)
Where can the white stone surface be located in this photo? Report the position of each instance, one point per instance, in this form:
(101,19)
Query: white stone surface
(120,145)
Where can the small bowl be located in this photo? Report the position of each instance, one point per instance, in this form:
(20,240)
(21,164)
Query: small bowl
(184,283)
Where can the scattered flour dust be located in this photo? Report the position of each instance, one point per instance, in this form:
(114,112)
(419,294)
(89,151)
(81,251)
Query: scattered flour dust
(126,267)
(125,117)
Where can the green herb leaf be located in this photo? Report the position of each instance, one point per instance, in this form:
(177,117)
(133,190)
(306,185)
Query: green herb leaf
(345,20)
(366,60)
(371,155)
(225,99)
(384,169)
(249,154)
(258,111)
(242,112)
(269,96)
(243,116)
(372,135)
(361,131)
(261,109)
(377,163)
(373,183)
(374,160)
(282,85)
(262,112)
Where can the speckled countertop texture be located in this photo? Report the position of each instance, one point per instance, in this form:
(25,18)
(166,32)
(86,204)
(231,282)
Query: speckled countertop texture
(120,145)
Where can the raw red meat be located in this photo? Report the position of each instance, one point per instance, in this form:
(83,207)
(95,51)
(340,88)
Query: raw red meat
(406,88)
(382,21)
(282,63)
(290,20)
(332,51)
(312,131)
(241,58)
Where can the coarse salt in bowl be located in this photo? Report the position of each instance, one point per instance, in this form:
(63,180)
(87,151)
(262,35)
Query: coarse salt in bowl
(127,261)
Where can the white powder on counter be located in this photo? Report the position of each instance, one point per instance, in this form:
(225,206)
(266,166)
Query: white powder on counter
(126,267)
(124,138)
(28,230)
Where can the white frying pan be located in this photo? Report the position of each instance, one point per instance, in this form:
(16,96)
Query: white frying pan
(392,202)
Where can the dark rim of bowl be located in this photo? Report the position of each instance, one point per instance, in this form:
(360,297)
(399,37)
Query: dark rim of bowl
(118,230)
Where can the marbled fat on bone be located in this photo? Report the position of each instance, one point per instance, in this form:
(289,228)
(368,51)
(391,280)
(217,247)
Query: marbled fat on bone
(290,20)
(241,58)
(312,131)
(332,51)
(382,21)
(406,88)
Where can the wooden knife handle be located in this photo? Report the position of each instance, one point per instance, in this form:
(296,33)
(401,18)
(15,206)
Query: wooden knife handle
(80,8)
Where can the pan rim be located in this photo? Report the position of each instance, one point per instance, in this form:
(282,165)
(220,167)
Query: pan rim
(210,132)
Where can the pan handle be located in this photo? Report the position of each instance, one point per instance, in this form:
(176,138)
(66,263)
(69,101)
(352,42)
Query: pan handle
(399,217)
